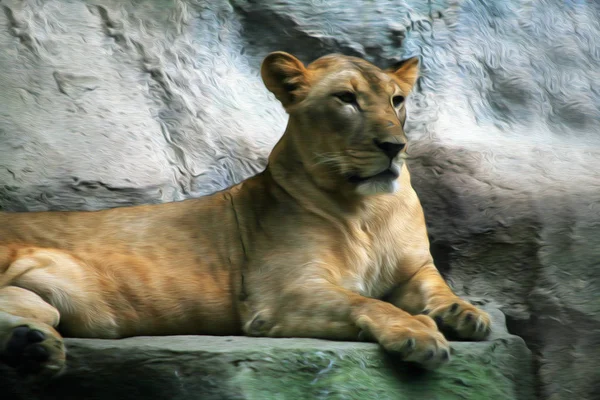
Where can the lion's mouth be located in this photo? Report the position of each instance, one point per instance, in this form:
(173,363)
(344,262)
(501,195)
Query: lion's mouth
(390,173)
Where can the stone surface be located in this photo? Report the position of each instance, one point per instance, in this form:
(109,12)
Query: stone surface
(113,102)
(209,367)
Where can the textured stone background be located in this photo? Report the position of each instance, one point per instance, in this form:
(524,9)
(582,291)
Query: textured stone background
(108,103)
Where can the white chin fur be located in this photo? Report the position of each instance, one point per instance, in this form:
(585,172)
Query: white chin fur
(373,187)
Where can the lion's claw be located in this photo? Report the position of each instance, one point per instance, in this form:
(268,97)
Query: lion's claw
(462,319)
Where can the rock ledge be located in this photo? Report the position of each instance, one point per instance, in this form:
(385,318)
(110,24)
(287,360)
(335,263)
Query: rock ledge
(208,367)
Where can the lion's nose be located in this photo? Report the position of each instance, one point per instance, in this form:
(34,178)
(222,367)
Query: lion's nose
(391,149)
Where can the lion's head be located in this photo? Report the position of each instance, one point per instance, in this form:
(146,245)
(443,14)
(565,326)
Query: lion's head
(346,117)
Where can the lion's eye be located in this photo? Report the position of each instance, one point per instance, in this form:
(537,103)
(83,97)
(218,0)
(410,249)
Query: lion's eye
(346,97)
(397,101)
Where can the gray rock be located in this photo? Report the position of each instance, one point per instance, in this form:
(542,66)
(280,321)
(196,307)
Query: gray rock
(111,103)
(209,367)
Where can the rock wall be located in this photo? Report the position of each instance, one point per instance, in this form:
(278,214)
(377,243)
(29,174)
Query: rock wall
(115,102)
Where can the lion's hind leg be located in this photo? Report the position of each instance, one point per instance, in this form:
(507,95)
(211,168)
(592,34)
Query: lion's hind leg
(28,341)
(37,289)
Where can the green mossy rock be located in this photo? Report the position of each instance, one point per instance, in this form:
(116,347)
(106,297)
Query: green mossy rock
(208,367)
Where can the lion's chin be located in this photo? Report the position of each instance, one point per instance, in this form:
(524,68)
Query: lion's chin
(383,182)
(373,187)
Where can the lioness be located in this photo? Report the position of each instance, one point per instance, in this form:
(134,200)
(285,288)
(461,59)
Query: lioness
(304,249)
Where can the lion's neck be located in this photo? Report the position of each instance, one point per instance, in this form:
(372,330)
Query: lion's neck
(326,197)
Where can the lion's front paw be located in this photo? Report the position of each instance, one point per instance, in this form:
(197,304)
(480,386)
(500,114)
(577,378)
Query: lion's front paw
(419,342)
(34,350)
(461,319)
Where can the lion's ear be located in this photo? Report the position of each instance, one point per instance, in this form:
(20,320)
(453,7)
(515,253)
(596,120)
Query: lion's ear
(407,71)
(285,76)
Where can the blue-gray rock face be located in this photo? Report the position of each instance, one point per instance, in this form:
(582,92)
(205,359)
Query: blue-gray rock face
(111,103)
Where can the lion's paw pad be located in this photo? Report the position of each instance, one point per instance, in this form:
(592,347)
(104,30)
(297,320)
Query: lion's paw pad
(33,352)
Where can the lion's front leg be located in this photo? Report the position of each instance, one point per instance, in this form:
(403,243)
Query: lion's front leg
(328,311)
(427,293)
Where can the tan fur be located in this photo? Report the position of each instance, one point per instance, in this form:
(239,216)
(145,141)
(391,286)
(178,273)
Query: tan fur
(299,250)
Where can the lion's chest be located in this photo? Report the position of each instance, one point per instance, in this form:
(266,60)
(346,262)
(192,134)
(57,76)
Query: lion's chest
(374,258)
(385,245)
